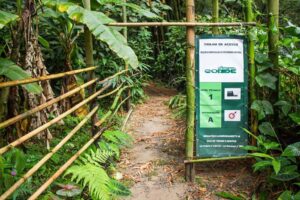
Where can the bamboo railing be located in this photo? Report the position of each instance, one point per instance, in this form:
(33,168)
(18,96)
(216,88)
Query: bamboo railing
(105,84)
(44,78)
(185,24)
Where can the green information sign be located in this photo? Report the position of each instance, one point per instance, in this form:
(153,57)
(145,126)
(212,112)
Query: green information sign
(221,95)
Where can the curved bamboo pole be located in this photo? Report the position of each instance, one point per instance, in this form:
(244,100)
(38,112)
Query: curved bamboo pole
(45,78)
(45,105)
(187,24)
(47,156)
(65,166)
(113,76)
(113,106)
(53,121)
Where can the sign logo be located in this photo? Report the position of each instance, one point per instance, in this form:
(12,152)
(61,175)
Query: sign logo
(221,70)
(232,115)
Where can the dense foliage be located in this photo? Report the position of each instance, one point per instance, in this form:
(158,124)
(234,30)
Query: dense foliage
(40,37)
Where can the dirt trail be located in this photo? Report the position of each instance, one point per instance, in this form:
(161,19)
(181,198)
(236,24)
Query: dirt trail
(154,168)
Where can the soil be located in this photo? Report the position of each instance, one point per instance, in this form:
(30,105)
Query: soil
(154,167)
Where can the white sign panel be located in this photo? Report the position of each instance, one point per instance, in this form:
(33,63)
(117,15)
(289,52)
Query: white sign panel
(221,60)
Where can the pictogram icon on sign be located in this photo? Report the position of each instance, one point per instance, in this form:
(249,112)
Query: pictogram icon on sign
(232,115)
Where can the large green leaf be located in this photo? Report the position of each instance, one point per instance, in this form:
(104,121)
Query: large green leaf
(6,18)
(95,21)
(134,7)
(266,80)
(10,70)
(295,117)
(292,150)
(266,128)
(263,108)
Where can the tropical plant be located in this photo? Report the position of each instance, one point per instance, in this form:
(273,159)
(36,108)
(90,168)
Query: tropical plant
(89,171)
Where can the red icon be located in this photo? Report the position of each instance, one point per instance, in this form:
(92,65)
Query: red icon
(232,115)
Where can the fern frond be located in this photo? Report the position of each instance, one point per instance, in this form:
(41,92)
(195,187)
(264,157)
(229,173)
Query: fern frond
(94,177)
(110,147)
(118,137)
(118,188)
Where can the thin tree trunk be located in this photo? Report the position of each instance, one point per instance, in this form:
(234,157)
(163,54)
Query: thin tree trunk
(190,87)
(90,62)
(273,31)
(251,57)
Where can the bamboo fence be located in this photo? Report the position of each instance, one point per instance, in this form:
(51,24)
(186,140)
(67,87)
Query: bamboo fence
(48,156)
(105,85)
(65,166)
(45,105)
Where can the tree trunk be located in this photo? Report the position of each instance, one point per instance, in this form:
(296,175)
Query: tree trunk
(90,62)
(251,57)
(190,86)
(273,31)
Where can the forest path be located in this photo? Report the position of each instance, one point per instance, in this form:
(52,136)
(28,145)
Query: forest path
(153,168)
(153,164)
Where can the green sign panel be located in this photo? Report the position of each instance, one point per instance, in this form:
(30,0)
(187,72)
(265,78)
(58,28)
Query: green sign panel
(221,95)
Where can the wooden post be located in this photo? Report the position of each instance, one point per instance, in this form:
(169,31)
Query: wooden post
(190,91)
(215,16)
(125,33)
(251,57)
(273,29)
(90,62)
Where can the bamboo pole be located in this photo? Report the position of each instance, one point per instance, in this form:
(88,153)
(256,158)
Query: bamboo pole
(190,91)
(217,159)
(110,93)
(126,119)
(125,33)
(44,78)
(113,106)
(65,166)
(215,15)
(251,58)
(45,105)
(48,124)
(273,43)
(113,76)
(187,24)
(47,156)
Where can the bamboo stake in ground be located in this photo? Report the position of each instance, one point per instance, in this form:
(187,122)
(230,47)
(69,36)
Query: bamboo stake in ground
(65,166)
(45,105)
(215,15)
(190,91)
(48,124)
(44,78)
(47,156)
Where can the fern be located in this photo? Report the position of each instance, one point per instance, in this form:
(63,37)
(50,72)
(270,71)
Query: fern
(92,176)
(110,147)
(118,189)
(118,137)
(90,173)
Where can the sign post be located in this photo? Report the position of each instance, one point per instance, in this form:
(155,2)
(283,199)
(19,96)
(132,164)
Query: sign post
(221,95)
